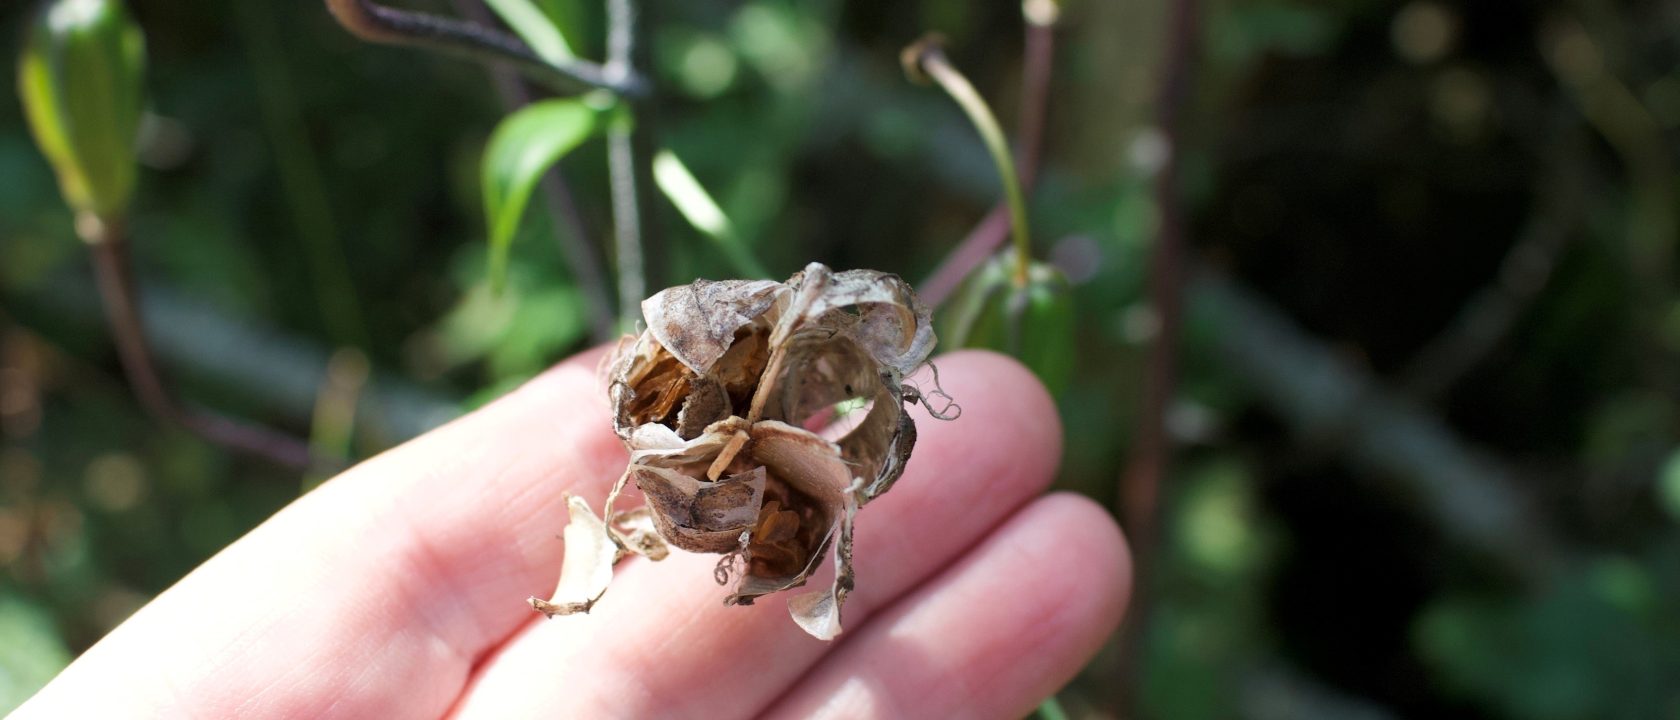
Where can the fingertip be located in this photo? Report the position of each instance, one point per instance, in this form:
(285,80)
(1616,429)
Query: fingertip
(1085,530)
(1002,405)
(1077,561)
(994,634)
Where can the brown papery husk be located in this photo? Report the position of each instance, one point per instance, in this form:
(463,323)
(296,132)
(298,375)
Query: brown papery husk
(760,417)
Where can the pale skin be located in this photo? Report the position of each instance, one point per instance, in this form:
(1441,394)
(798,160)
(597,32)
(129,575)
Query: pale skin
(398,588)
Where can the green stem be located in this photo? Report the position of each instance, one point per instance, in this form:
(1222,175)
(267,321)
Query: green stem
(529,22)
(621,170)
(630,149)
(927,57)
(627,222)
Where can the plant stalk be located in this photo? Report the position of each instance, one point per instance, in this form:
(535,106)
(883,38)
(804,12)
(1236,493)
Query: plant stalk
(629,167)
(109,246)
(377,23)
(1138,498)
(1040,52)
(627,225)
(927,57)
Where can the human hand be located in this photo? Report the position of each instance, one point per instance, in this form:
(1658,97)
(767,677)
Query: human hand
(397,589)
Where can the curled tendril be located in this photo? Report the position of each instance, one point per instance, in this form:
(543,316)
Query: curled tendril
(949,410)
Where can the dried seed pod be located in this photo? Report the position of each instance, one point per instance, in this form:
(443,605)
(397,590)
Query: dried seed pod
(760,416)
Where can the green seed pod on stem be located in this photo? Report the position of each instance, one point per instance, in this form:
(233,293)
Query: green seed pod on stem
(80,82)
(1032,322)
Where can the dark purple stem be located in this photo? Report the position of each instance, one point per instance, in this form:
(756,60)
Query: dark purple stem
(1138,497)
(378,23)
(122,313)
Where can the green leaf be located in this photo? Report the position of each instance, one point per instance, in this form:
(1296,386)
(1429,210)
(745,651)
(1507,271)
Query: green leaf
(520,151)
(1033,322)
(517,332)
(700,210)
(573,18)
(535,27)
(80,82)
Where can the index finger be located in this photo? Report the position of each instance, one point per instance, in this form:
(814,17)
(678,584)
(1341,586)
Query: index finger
(405,568)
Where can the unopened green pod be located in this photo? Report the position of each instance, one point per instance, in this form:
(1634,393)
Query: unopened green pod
(80,81)
(1033,322)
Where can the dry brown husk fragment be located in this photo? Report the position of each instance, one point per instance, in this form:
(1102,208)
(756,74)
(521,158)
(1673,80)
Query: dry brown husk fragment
(760,416)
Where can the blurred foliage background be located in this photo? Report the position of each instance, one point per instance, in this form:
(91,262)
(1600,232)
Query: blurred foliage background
(1424,434)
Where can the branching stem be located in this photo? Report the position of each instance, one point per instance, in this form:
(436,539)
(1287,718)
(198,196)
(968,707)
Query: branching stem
(377,23)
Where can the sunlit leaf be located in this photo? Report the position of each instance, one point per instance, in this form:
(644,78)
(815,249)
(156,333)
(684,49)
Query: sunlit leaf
(573,18)
(520,151)
(700,210)
(540,32)
(517,332)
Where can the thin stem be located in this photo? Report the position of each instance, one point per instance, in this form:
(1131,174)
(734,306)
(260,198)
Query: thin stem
(629,158)
(979,244)
(627,222)
(621,36)
(377,23)
(109,247)
(1040,53)
(1140,485)
(927,57)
